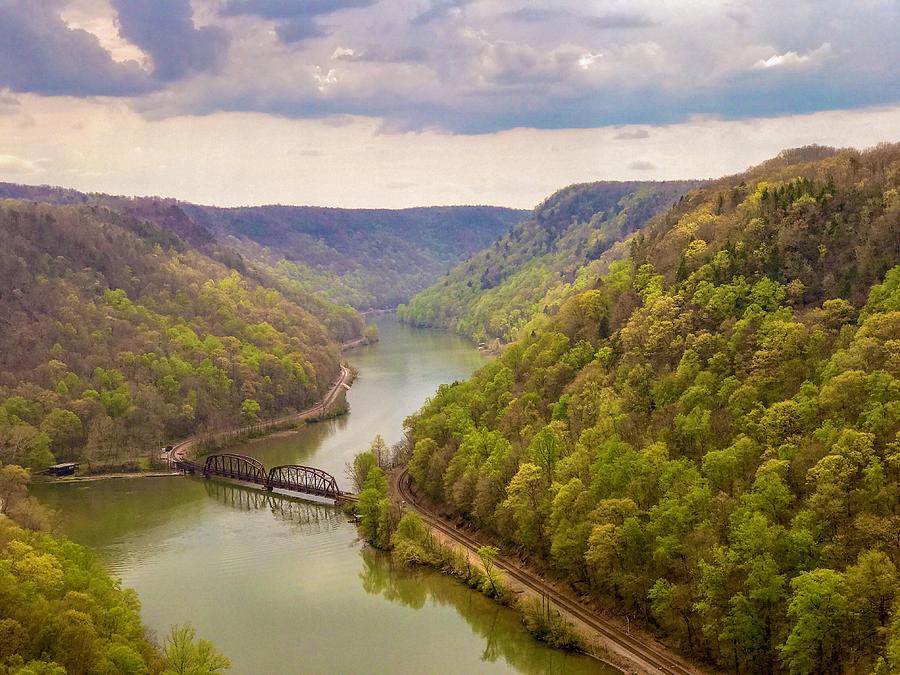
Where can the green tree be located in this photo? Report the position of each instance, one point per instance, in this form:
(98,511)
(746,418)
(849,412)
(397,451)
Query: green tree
(488,557)
(819,610)
(249,412)
(358,470)
(525,500)
(545,450)
(374,507)
(185,654)
(13,487)
(65,431)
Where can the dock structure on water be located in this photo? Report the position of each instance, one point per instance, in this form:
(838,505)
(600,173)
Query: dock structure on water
(63,469)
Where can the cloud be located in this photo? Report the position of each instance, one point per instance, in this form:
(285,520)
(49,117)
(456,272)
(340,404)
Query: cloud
(439,9)
(793,59)
(40,53)
(288,9)
(607,20)
(533,14)
(642,165)
(295,20)
(251,158)
(462,66)
(165,30)
(631,134)
(298,29)
(10,165)
(619,20)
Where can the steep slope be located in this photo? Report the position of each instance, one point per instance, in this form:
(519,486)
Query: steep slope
(559,250)
(62,612)
(362,257)
(707,440)
(118,335)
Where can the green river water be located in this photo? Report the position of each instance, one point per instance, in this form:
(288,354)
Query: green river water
(283,586)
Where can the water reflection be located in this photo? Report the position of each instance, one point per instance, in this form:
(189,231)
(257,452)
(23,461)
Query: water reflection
(499,627)
(307,517)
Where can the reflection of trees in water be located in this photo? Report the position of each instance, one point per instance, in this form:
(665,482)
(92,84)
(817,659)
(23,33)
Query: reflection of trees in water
(308,517)
(501,629)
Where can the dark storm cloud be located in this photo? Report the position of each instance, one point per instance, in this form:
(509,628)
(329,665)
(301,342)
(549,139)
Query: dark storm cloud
(465,66)
(295,21)
(39,53)
(289,9)
(298,29)
(165,30)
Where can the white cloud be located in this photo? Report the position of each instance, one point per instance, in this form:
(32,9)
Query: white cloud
(99,18)
(588,59)
(325,79)
(10,165)
(794,59)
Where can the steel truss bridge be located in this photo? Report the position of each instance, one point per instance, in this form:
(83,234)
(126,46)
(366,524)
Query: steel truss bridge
(291,478)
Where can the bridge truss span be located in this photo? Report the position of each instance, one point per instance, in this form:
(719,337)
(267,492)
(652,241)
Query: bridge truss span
(291,478)
(306,479)
(236,467)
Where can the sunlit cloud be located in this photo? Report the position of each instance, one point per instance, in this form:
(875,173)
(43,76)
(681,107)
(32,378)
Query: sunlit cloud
(793,59)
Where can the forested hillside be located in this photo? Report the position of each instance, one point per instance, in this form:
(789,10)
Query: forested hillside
(707,438)
(366,258)
(558,251)
(117,336)
(362,257)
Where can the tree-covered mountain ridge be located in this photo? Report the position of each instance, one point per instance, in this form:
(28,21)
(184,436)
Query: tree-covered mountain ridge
(119,336)
(367,258)
(706,438)
(566,242)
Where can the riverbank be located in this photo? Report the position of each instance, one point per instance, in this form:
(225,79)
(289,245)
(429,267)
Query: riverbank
(179,451)
(364,341)
(277,581)
(620,646)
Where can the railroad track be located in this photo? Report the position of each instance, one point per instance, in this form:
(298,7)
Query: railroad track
(646,657)
(179,450)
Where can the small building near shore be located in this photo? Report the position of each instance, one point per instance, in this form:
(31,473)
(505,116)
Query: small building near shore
(64,469)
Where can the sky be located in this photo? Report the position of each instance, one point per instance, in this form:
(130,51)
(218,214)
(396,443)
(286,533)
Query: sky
(395,103)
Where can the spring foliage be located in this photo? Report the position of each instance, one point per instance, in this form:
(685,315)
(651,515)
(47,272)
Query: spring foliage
(119,336)
(60,610)
(556,252)
(707,437)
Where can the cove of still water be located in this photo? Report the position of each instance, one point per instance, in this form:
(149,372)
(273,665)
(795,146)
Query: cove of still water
(283,586)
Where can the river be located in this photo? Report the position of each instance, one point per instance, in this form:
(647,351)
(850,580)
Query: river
(283,586)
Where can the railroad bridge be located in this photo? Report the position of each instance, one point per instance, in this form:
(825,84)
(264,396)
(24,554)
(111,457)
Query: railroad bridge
(292,478)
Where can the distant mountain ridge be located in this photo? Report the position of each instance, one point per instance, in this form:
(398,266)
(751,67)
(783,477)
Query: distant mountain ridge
(361,257)
(566,242)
